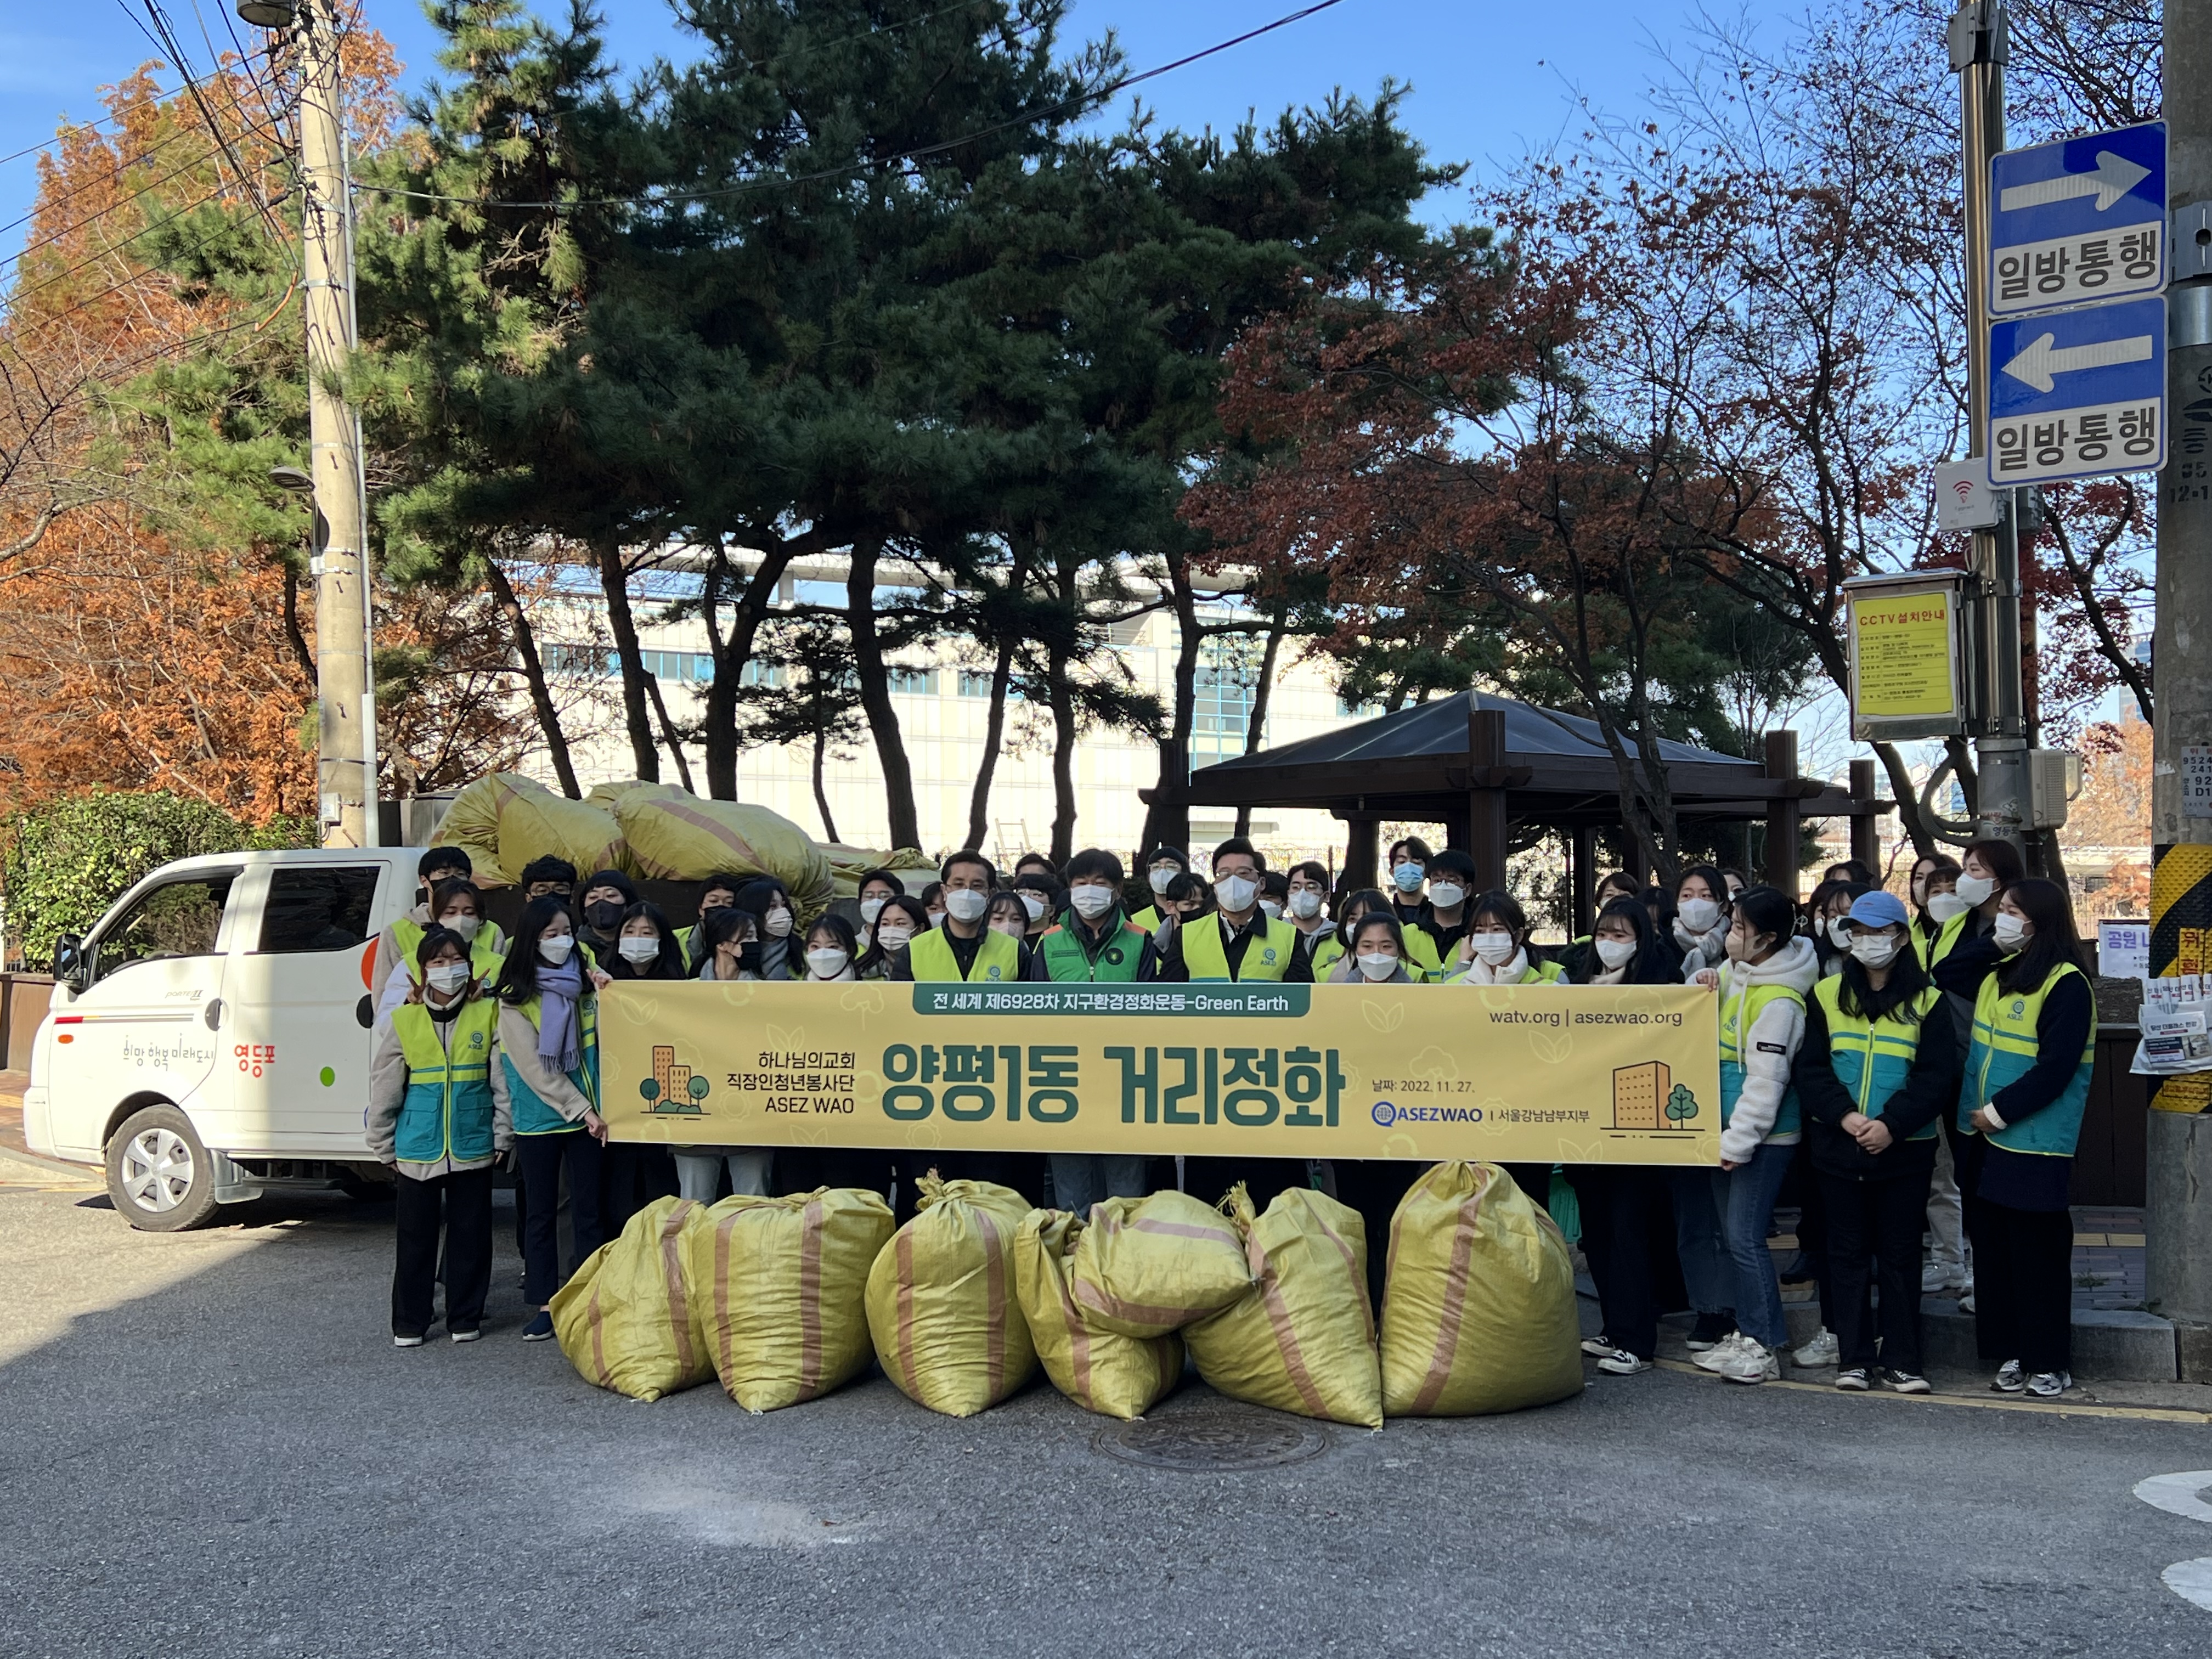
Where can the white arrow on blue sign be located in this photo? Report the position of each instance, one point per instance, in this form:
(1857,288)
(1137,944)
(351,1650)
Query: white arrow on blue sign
(2079,394)
(2083,219)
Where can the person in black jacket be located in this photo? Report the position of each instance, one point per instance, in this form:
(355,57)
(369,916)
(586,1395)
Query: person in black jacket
(1875,1072)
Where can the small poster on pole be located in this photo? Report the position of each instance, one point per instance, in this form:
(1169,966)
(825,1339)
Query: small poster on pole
(1904,641)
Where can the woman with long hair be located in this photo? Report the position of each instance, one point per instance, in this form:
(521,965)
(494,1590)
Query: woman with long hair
(777,920)
(896,924)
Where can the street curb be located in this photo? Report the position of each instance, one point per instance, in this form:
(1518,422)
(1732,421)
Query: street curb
(86,1172)
(2120,1345)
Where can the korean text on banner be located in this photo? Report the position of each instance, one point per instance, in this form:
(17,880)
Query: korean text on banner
(1902,643)
(1521,1074)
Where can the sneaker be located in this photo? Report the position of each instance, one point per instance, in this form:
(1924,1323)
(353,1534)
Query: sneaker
(1934,1280)
(2010,1379)
(1718,1355)
(398,1341)
(1621,1363)
(540,1327)
(1903,1381)
(1710,1330)
(469,1336)
(1854,1380)
(1752,1362)
(2048,1385)
(1597,1346)
(1966,1298)
(1822,1350)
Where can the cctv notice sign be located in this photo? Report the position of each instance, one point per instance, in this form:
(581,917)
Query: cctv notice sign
(1576,1074)
(1904,658)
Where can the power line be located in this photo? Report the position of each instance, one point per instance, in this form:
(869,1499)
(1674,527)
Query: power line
(17,299)
(1065,105)
(86,126)
(214,127)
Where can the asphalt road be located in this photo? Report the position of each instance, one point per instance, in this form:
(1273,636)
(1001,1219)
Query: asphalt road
(209,1446)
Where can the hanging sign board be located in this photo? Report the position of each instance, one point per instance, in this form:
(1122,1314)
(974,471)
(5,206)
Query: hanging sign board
(1905,656)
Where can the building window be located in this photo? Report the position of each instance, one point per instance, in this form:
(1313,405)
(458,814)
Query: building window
(584,661)
(759,673)
(973,684)
(684,667)
(912,681)
(1351,709)
(1221,709)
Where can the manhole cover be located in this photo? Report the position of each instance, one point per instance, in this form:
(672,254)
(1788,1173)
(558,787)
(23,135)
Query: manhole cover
(1213,1440)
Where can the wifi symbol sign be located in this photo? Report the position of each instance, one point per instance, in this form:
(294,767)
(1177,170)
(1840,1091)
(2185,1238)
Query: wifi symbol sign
(1966,486)
(1964,489)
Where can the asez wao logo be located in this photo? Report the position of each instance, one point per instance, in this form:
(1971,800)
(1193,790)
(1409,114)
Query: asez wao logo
(673,1091)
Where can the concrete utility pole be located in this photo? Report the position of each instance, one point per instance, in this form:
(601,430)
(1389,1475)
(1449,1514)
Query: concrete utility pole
(2178,1216)
(1977,40)
(346,768)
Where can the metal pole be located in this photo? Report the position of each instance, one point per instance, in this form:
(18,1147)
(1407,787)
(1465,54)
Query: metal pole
(345,767)
(2177,1218)
(1977,53)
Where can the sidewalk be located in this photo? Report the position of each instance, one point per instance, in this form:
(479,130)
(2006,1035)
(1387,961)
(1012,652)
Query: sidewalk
(12,1149)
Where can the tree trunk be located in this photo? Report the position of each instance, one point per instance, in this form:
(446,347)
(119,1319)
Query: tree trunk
(668,732)
(732,651)
(994,727)
(876,695)
(821,794)
(1255,725)
(534,674)
(1063,760)
(1907,795)
(1962,768)
(1168,823)
(301,651)
(614,583)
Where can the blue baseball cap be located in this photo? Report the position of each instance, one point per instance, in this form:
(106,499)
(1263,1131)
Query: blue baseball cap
(1879,910)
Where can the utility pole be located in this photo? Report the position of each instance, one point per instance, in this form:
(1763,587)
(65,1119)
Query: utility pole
(346,767)
(1976,40)
(2177,1216)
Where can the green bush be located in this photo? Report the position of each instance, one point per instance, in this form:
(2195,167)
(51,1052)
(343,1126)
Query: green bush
(68,860)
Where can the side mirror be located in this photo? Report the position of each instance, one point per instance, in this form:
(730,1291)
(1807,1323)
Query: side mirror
(70,963)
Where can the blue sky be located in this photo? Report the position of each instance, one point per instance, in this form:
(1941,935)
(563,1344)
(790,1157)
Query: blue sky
(1488,80)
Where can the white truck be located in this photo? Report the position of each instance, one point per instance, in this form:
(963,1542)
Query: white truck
(211,1037)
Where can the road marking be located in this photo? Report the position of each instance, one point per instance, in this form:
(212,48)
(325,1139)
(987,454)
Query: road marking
(2191,1581)
(1995,1403)
(2182,1495)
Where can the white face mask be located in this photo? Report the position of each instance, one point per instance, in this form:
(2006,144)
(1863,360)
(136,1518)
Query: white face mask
(637,951)
(447,977)
(776,924)
(1010,929)
(1698,915)
(937,918)
(466,927)
(891,935)
(1090,900)
(1406,878)
(1235,893)
(1305,903)
(1876,949)
(1160,875)
(869,909)
(1272,910)
(1494,947)
(2009,931)
(1376,965)
(1034,904)
(1447,895)
(1943,907)
(1839,931)
(966,904)
(827,962)
(554,947)
(1614,952)
(1976,890)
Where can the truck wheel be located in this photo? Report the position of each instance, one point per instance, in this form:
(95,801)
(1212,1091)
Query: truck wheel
(159,1178)
(364,1187)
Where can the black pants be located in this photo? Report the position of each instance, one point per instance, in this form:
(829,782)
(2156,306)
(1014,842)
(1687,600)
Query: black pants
(1812,1228)
(538,1159)
(1619,1202)
(1881,1217)
(1208,1179)
(2024,1287)
(631,1176)
(1535,1180)
(460,1203)
(1375,1187)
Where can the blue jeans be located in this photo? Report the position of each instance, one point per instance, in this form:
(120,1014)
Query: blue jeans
(1744,1198)
(1080,1180)
(1707,1273)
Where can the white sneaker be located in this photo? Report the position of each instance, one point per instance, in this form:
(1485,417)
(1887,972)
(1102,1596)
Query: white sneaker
(1822,1350)
(1966,1298)
(2009,1378)
(1621,1363)
(2048,1385)
(1752,1362)
(1597,1346)
(1934,1280)
(1713,1359)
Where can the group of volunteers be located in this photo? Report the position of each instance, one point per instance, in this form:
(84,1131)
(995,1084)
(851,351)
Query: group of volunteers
(1896,1070)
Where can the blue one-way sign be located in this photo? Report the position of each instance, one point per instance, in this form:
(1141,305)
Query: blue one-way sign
(2083,219)
(2074,394)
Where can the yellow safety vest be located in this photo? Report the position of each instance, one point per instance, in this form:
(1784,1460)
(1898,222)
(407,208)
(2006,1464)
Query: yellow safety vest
(998,959)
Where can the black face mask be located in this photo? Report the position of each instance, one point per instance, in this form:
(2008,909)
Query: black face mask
(749,958)
(605,914)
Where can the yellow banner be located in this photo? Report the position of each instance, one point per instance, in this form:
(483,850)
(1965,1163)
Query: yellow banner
(1577,1074)
(1902,646)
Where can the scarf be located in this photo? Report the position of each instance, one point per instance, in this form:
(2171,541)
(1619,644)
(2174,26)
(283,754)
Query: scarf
(1480,972)
(558,989)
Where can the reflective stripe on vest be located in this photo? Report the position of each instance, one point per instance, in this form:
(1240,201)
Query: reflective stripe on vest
(1872,1059)
(446,1111)
(532,1116)
(998,959)
(1066,958)
(2004,1048)
(1267,956)
(1740,1011)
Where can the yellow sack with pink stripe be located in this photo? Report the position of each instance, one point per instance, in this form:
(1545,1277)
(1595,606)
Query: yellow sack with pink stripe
(1302,1337)
(628,1321)
(1479,1306)
(942,1304)
(1099,1369)
(782,1286)
(1143,1266)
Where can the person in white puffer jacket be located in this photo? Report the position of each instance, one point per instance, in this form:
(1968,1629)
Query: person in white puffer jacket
(1763,985)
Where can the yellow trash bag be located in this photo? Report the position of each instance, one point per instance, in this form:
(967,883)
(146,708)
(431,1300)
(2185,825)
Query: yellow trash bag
(1479,1307)
(1100,1370)
(676,837)
(1302,1337)
(525,820)
(781,1285)
(472,823)
(1144,1267)
(849,863)
(627,1321)
(942,1305)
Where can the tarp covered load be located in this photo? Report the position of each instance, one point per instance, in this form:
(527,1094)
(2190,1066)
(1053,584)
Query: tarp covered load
(781,1288)
(1099,1369)
(942,1306)
(1479,1310)
(627,1321)
(673,836)
(528,820)
(849,863)
(1144,1267)
(1302,1337)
